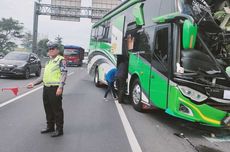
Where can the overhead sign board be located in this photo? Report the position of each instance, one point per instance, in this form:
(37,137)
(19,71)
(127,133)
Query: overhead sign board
(106,5)
(61,7)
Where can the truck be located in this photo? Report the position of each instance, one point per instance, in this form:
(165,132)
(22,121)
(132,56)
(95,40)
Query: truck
(74,55)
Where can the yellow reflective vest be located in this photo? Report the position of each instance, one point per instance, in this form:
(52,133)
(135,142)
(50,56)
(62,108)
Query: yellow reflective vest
(52,72)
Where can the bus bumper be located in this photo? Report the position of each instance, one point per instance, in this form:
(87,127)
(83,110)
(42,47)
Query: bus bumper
(182,107)
(226,121)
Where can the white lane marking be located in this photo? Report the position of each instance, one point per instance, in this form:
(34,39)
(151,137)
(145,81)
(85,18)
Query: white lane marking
(71,73)
(18,97)
(25,94)
(128,129)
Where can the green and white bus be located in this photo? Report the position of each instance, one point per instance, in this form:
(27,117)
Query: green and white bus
(180,60)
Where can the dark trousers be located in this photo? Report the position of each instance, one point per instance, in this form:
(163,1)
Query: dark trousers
(121,85)
(110,88)
(53,108)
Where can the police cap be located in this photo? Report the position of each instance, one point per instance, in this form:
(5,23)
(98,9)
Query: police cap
(52,45)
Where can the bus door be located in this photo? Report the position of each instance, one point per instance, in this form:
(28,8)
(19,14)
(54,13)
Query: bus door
(142,61)
(159,71)
(117,35)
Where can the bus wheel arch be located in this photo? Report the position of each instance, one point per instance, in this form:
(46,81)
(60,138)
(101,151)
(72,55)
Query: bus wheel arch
(136,93)
(132,79)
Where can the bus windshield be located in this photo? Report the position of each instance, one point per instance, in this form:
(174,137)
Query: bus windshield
(214,31)
(71,51)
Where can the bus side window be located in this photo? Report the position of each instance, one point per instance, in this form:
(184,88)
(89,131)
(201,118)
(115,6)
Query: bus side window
(93,34)
(107,32)
(161,45)
(100,32)
(143,42)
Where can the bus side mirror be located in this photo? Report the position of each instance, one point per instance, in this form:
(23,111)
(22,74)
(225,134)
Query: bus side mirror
(189,35)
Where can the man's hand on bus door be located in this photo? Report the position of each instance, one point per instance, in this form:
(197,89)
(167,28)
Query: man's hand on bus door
(130,42)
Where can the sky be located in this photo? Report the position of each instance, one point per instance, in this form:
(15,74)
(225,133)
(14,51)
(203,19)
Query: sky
(74,33)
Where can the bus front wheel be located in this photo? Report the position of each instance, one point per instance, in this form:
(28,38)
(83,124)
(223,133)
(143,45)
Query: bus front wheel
(136,96)
(96,78)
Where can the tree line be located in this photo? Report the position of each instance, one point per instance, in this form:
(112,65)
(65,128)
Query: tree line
(12,31)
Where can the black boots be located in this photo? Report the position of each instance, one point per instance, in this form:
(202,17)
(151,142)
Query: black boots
(57,133)
(47,130)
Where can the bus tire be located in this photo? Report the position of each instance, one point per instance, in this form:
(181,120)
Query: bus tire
(96,78)
(136,91)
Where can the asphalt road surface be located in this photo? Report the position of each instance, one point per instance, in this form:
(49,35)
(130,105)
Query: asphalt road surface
(95,125)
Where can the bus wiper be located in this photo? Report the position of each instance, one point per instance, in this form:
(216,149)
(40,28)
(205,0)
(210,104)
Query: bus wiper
(208,73)
(201,72)
(213,72)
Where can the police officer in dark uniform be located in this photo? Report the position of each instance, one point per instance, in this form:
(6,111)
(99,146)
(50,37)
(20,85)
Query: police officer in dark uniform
(54,77)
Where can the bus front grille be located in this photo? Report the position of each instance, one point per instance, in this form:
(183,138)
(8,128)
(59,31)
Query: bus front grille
(221,106)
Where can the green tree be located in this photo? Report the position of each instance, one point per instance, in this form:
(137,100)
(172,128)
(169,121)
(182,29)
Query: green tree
(10,30)
(42,47)
(27,41)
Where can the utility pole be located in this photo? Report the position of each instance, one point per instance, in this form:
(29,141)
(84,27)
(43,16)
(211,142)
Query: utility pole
(35,28)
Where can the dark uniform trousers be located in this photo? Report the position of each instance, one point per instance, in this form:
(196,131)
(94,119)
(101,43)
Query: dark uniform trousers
(121,85)
(53,108)
(110,88)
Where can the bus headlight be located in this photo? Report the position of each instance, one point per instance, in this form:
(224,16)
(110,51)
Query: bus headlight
(192,94)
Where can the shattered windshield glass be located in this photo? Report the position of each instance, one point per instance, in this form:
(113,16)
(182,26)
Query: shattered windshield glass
(213,20)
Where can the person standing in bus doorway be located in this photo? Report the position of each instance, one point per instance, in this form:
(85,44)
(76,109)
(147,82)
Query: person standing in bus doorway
(54,77)
(121,75)
(122,69)
(110,78)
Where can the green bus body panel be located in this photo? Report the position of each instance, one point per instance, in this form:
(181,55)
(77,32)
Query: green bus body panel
(157,91)
(119,22)
(202,113)
(92,44)
(104,48)
(139,14)
(117,35)
(189,35)
(137,66)
(117,11)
